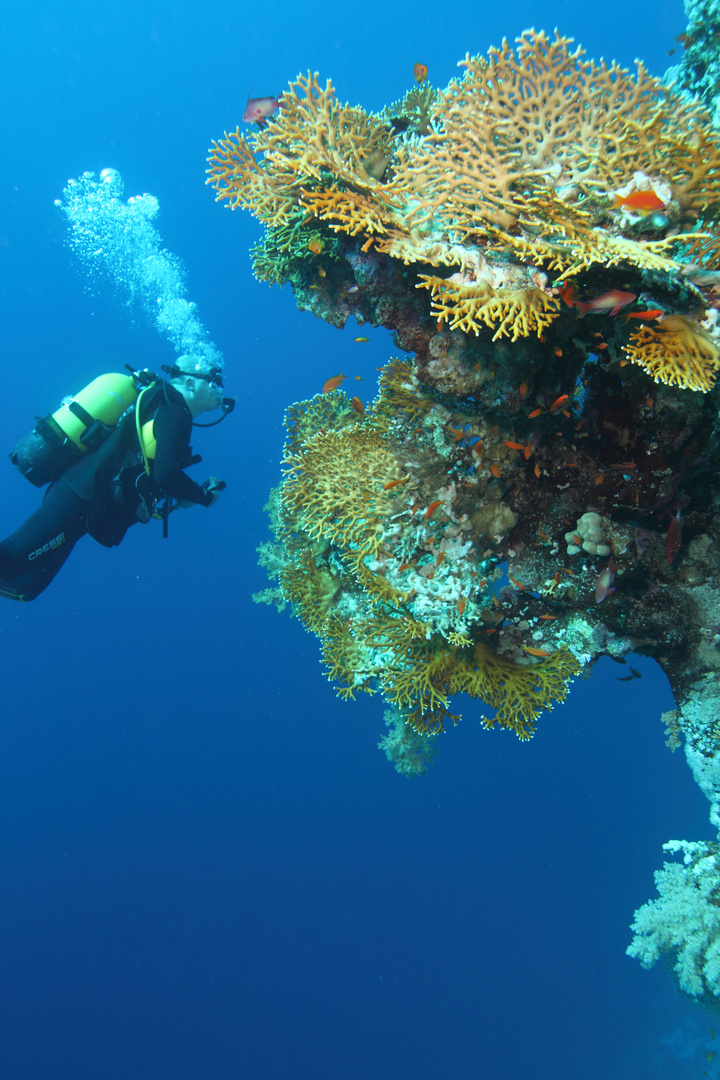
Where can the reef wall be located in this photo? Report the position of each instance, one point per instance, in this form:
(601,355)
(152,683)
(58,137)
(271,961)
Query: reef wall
(535,484)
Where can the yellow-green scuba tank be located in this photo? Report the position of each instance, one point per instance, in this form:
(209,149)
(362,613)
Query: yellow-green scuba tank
(80,425)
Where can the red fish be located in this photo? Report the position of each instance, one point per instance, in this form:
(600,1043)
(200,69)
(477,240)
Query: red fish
(258,109)
(333,383)
(603,585)
(420,72)
(358,405)
(611,301)
(673,539)
(651,314)
(432,508)
(639,202)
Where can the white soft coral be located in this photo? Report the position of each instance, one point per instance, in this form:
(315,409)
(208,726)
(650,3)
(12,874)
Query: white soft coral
(684,920)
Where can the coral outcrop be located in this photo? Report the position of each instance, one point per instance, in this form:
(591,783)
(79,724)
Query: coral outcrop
(536,482)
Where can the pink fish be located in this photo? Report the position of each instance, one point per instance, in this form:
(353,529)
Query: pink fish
(611,301)
(673,541)
(258,109)
(604,582)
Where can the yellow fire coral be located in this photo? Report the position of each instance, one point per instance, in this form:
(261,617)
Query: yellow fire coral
(313,135)
(352,525)
(531,161)
(512,312)
(335,488)
(676,351)
(421,677)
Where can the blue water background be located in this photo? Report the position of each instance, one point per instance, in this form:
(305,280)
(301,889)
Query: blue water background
(207,868)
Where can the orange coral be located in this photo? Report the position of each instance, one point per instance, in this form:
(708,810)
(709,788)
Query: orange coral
(676,351)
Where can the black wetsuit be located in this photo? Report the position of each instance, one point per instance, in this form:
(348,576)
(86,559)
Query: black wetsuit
(104,494)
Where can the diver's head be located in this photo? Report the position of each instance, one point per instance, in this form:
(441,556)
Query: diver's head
(199,383)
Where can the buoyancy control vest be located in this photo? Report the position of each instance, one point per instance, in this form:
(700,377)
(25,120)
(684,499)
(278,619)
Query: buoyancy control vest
(80,425)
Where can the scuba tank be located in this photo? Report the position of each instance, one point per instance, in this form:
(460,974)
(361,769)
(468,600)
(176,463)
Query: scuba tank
(80,425)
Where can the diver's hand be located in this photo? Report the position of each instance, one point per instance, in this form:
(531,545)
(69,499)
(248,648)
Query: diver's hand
(213,486)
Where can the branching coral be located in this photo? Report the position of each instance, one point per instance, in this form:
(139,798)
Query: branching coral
(676,352)
(537,158)
(391,586)
(510,312)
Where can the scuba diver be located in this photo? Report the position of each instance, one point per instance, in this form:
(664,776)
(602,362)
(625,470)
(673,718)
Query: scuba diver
(112,455)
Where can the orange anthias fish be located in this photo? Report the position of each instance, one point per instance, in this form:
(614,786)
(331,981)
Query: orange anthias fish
(316,245)
(358,406)
(420,73)
(639,202)
(333,383)
(652,313)
(432,508)
(258,109)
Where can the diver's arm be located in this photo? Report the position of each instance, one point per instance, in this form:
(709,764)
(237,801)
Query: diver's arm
(172,430)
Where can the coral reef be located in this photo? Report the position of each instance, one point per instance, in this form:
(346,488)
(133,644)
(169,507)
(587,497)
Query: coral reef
(536,483)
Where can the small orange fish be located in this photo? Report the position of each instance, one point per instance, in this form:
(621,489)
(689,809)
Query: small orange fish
(534,413)
(536,652)
(558,352)
(639,202)
(600,478)
(322,272)
(548,616)
(462,602)
(495,470)
(528,451)
(358,406)
(420,72)
(601,345)
(523,389)
(432,508)
(516,582)
(359,378)
(536,470)
(362,339)
(515,445)
(333,383)
(440,557)
(394,483)
(652,313)
(558,402)
(315,245)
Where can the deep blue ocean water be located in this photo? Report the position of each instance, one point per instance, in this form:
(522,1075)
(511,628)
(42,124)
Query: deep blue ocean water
(207,869)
